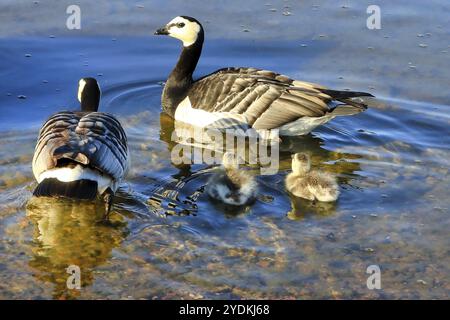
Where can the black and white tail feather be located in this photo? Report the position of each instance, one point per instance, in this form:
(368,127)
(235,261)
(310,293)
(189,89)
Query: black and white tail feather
(78,189)
(81,154)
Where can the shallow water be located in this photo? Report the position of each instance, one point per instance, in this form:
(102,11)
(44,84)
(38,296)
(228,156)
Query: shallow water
(392,161)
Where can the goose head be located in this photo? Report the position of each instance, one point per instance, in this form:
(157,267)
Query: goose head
(301,163)
(184,28)
(89,94)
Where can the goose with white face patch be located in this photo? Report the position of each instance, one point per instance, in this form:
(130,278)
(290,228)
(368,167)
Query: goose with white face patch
(81,154)
(246,97)
(231,185)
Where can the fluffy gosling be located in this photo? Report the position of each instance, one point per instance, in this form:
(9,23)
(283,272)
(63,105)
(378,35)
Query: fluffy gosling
(310,184)
(230,185)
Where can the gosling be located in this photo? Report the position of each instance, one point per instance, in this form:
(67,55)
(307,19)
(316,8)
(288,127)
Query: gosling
(310,184)
(230,185)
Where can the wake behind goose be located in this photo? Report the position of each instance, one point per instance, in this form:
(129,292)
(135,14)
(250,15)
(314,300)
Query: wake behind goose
(246,97)
(81,154)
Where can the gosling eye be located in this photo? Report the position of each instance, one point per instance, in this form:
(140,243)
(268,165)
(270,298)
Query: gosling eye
(181,25)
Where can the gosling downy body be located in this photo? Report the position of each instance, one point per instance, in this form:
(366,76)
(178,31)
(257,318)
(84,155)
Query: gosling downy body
(231,185)
(310,184)
(81,154)
(246,98)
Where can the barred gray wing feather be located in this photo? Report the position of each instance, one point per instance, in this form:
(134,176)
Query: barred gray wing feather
(267,99)
(95,139)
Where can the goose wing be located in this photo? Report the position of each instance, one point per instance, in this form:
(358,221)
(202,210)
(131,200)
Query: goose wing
(268,99)
(94,139)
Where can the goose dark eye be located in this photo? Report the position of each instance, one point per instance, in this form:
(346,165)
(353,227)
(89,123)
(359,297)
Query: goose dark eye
(181,25)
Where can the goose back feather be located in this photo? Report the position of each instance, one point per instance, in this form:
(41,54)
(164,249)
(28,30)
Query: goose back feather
(92,139)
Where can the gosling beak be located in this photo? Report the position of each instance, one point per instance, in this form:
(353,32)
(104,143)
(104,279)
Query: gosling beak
(162,31)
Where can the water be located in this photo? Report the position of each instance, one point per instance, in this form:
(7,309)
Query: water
(392,161)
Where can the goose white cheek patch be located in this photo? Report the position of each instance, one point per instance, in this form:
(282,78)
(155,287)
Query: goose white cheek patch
(81,86)
(187,34)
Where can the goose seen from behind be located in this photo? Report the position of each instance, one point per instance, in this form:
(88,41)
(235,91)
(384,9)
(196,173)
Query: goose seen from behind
(246,97)
(81,154)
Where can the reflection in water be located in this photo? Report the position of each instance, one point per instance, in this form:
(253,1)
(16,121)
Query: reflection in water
(254,239)
(69,233)
(167,127)
(288,146)
(302,208)
(230,211)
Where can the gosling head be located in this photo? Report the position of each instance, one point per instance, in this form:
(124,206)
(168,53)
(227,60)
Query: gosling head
(301,163)
(230,161)
(184,28)
(89,94)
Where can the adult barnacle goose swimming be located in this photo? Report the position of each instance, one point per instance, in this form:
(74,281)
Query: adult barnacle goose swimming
(251,97)
(81,154)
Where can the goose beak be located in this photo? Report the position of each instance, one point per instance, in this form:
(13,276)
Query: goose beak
(162,31)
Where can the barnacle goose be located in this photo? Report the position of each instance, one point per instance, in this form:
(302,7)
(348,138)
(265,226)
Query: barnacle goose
(310,184)
(81,154)
(246,97)
(231,185)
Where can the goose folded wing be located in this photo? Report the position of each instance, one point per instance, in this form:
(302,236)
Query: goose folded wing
(103,141)
(267,99)
(56,132)
(94,139)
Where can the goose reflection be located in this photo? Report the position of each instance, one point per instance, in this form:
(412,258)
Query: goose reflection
(288,145)
(69,233)
(188,145)
(301,209)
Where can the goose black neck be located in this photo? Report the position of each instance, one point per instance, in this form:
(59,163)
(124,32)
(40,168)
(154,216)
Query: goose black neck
(188,60)
(180,79)
(90,103)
